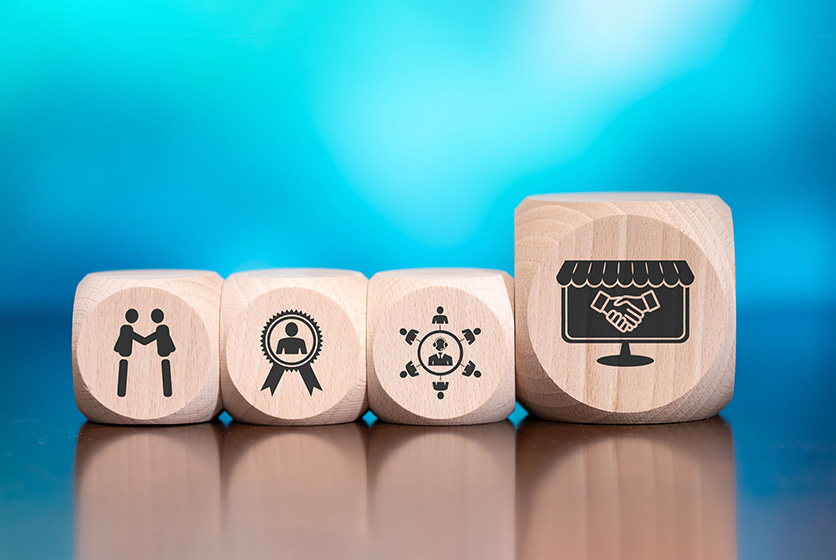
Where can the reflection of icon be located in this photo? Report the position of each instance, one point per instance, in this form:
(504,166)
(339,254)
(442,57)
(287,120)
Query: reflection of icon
(440,352)
(633,301)
(292,351)
(124,347)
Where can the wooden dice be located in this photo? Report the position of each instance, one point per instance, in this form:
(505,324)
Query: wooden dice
(293,346)
(441,346)
(145,346)
(625,306)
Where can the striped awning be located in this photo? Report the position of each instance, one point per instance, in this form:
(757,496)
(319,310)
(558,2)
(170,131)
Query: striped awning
(625,273)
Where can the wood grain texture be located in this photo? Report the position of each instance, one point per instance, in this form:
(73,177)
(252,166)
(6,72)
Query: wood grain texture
(336,302)
(626,492)
(561,381)
(190,304)
(295,492)
(442,492)
(148,492)
(481,388)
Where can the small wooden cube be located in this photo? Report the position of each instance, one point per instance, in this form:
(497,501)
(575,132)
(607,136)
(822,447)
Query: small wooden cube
(625,306)
(293,346)
(145,346)
(441,346)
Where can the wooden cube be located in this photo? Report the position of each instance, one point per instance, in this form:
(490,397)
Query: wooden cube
(625,306)
(630,492)
(441,346)
(293,346)
(145,346)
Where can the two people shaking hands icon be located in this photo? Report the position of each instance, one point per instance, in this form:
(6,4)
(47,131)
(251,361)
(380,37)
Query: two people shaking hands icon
(625,312)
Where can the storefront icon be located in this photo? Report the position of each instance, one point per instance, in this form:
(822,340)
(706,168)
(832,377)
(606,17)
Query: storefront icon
(643,302)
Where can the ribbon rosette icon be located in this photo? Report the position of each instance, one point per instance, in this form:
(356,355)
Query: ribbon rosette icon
(291,341)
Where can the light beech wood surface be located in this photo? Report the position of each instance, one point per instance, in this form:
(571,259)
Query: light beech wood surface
(674,246)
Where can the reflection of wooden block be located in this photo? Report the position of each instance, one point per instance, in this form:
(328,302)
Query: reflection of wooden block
(630,492)
(145,346)
(441,346)
(625,306)
(148,492)
(297,492)
(442,492)
(293,349)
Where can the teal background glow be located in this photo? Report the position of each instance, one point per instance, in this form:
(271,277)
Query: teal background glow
(378,135)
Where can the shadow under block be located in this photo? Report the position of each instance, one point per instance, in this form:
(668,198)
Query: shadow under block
(293,346)
(145,346)
(625,306)
(441,346)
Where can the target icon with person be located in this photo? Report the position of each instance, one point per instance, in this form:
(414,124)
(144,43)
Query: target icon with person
(440,352)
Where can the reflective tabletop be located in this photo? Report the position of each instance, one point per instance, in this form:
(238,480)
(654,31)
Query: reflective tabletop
(759,481)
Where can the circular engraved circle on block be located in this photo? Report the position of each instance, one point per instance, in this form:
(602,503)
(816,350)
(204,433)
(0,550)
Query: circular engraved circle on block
(326,346)
(144,353)
(428,349)
(622,280)
(465,374)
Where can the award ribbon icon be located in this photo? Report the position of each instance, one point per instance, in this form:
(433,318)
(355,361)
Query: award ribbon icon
(288,349)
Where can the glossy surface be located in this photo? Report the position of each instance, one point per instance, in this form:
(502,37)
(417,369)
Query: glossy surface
(758,482)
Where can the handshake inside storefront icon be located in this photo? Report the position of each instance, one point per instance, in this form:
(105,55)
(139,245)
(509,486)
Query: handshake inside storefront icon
(625,312)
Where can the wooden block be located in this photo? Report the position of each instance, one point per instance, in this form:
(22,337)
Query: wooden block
(442,492)
(143,492)
(293,346)
(629,492)
(441,346)
(145,346)
(296,492)
(625,306)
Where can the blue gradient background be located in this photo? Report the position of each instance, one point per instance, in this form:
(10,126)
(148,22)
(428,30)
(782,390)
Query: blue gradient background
(386,134)
(378,135)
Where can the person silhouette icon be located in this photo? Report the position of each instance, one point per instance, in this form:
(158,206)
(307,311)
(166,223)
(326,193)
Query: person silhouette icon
(440,358)
(440,318)
(470,335)
(124,347)
(291,344)
(165,347)
(409,336)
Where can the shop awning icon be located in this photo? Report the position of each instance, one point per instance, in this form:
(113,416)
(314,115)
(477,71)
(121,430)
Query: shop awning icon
(625,301)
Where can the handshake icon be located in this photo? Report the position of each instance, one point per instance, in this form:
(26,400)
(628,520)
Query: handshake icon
(625,312)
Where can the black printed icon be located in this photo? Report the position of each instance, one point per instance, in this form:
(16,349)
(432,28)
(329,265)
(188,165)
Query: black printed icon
(291,341)
(125,344)
(625,301)
(440,352)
